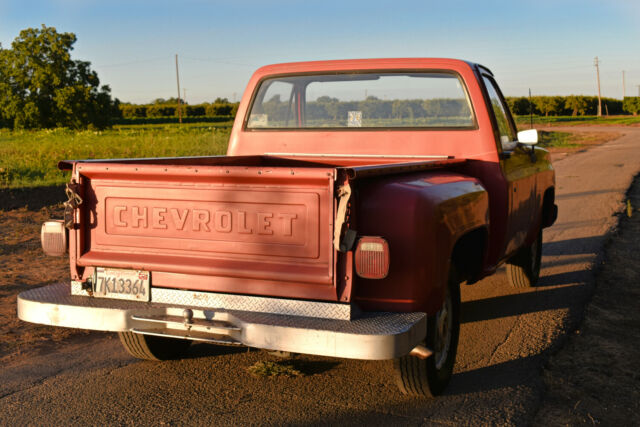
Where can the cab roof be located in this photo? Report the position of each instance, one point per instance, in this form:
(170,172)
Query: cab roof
(363,65)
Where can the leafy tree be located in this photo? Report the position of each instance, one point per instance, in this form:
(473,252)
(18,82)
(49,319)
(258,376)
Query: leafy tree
(577,104)
(217,109)
(160,110)
(407,109)
(632,104)
(42,87)
(324,99)
(520,105)
(375,108)
(549,104)
(330,106)
(172,101)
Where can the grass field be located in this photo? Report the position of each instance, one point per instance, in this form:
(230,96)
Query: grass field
(558,139)
(30,158)
(573,141)
(522,121)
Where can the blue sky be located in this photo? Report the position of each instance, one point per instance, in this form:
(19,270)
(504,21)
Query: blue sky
(548,46)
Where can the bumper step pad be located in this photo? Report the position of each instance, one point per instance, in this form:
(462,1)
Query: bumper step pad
(372,336)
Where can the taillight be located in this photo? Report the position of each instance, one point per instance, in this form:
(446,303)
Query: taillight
(372,258)
(53,237)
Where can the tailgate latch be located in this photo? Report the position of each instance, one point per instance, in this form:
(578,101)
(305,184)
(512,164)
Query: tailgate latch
(73,201)
(343,243)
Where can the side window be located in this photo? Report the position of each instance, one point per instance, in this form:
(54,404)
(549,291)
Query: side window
(507,133)
(274,107)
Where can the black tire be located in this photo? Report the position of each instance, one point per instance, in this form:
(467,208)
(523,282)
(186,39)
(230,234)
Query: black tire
(523,269)
(150,347)
(429,377)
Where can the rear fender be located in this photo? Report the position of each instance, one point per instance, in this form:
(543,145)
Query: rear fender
(422,217)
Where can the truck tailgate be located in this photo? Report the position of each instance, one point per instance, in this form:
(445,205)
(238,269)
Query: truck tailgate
(255,230)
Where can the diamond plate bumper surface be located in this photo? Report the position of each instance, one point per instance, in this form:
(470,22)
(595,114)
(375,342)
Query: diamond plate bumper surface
(372,336)
(245,303)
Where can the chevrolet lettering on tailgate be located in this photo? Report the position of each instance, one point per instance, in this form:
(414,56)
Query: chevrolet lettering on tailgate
(222,221)
(205,220)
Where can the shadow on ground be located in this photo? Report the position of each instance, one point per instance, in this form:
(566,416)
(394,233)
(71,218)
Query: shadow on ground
(33,199)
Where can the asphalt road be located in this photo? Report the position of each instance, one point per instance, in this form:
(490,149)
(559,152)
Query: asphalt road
(504,336)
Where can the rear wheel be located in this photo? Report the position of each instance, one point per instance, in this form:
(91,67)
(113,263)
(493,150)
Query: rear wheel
(429,377)
(151,347)
(523,269)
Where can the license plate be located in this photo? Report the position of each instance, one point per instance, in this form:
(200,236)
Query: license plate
(122,284)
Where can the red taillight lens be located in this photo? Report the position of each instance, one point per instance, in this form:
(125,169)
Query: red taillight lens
(53,237)
(372,258)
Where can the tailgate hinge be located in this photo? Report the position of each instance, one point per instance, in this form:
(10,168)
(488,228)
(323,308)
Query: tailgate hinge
(343,242)
(73,201)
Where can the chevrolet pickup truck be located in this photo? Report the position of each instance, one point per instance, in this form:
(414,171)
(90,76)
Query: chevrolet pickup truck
(356,196)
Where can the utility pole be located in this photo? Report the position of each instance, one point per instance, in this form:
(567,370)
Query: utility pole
(530,110)
(624,92)
(184,95)
(596,62)
(178,81)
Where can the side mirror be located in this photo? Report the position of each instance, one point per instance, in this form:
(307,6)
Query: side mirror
(528,137)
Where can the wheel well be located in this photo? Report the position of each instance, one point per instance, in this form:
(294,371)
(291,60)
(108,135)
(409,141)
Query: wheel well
(549,209)
(468,254)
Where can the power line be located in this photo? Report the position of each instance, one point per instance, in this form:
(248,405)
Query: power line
(136,61)
(219,61)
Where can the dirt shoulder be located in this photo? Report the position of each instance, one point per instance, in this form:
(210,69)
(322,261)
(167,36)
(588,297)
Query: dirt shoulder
(32,199)
(595,378)
(23,266)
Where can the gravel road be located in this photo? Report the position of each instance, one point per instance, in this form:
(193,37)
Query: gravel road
(505,335)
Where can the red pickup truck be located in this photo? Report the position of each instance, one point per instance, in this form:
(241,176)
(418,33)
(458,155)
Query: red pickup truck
(355,198)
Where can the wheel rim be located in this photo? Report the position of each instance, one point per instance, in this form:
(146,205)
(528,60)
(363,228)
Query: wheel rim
(444,326)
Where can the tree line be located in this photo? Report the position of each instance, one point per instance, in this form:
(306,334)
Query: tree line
(331,108)
(160,108)
(572,105)
(326,107)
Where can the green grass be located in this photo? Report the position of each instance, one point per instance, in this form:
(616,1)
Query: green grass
(570,140)
(218,120)
(206,125)
(30,158)
(557,139)
(522,121)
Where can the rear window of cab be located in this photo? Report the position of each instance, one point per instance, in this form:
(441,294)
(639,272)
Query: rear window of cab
(361,101)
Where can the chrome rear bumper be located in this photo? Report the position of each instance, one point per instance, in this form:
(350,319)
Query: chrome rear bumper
(371,336)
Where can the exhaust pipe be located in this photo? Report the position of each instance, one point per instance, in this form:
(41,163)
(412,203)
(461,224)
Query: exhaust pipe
(421,351)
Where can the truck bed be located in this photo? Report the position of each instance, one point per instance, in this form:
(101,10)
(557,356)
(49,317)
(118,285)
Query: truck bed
(258,225)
